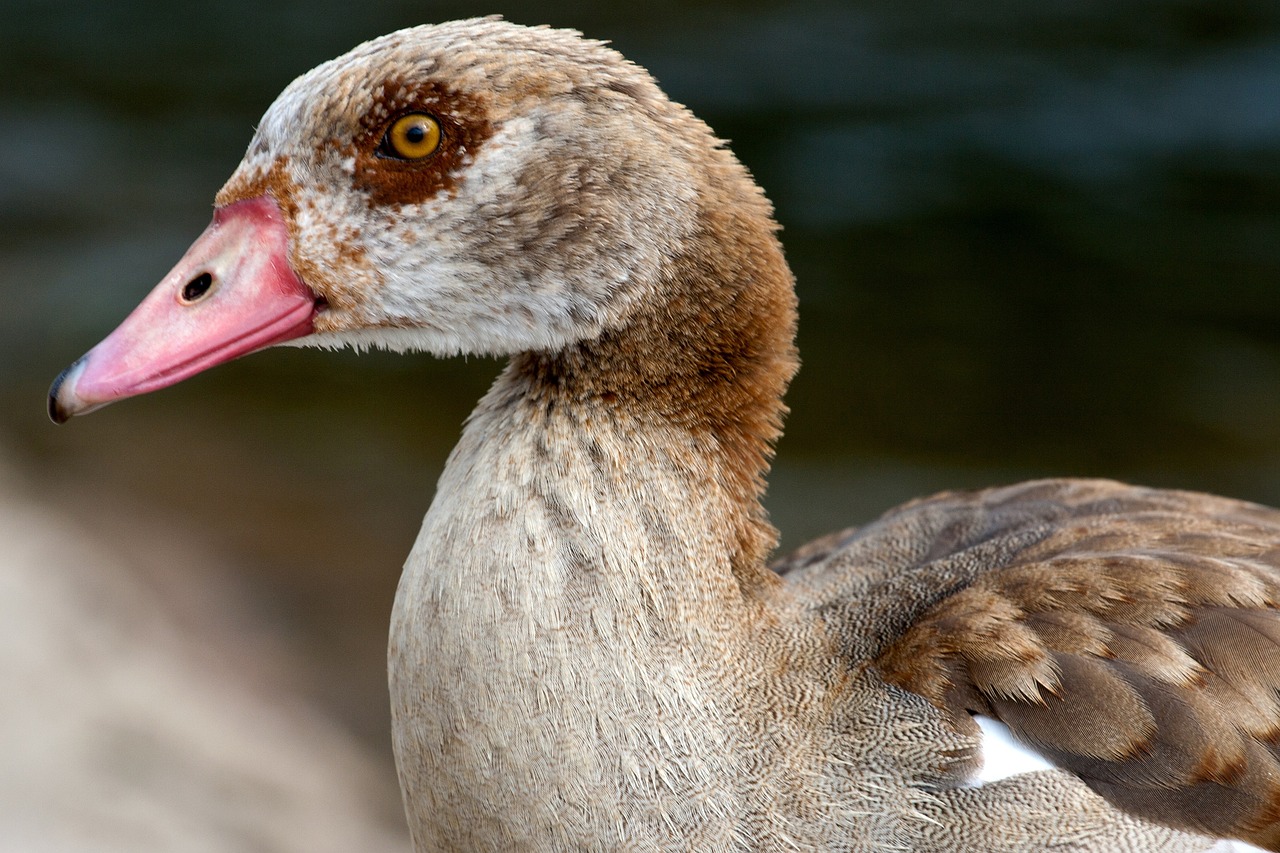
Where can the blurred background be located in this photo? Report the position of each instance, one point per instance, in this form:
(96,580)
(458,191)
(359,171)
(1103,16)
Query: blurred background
(1031,238)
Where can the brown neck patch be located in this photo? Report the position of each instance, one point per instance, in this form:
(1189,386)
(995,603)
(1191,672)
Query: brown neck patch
(713,357)
(464,126)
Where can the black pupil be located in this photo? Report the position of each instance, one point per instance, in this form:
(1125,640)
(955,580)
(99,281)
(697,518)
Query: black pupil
(416,134)
(197,287)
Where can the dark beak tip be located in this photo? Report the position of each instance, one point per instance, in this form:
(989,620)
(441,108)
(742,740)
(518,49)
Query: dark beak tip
(57,413)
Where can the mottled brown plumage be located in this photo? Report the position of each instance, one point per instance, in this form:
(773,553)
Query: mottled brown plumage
(1129,634)
(588,650)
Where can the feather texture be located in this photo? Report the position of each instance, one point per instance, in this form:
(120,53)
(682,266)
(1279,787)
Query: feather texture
(588,650)
(1130,635)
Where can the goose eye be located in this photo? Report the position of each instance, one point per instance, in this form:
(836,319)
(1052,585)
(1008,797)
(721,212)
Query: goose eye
(411,137)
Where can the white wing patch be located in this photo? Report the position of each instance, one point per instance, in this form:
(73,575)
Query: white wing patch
(1003,756)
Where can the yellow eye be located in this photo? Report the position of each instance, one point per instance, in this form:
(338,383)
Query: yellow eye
(412,137)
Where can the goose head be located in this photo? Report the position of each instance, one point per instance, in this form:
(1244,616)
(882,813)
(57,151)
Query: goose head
(473,187)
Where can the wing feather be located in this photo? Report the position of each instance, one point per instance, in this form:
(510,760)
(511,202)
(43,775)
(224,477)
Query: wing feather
(1131,635)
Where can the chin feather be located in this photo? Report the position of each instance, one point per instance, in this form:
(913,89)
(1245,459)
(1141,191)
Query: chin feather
(443,345)
(392,340)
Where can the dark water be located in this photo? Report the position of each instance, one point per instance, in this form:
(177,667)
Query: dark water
(1031,238)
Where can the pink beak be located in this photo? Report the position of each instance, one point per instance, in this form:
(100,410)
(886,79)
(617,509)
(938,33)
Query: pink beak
(232,293)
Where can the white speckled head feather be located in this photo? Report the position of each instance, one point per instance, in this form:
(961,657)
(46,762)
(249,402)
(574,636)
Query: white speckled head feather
(568,181)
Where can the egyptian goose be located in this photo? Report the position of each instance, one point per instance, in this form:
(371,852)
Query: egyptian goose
(588,648)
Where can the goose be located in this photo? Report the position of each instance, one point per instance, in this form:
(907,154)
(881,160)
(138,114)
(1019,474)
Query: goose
(589,648)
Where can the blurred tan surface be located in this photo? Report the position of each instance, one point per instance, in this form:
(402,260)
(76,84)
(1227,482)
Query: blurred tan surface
(127,726)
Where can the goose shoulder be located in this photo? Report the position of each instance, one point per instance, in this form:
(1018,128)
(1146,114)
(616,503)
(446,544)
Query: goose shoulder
(1127,635)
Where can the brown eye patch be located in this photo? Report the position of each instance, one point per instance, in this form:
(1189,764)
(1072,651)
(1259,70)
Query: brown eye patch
(462,124)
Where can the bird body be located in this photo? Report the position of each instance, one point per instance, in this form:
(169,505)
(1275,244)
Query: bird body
(588,647)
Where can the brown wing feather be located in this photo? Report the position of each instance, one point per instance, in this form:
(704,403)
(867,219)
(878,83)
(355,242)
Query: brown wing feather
(1131,635)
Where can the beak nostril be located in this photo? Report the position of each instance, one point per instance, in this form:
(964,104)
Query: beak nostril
(197,287)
